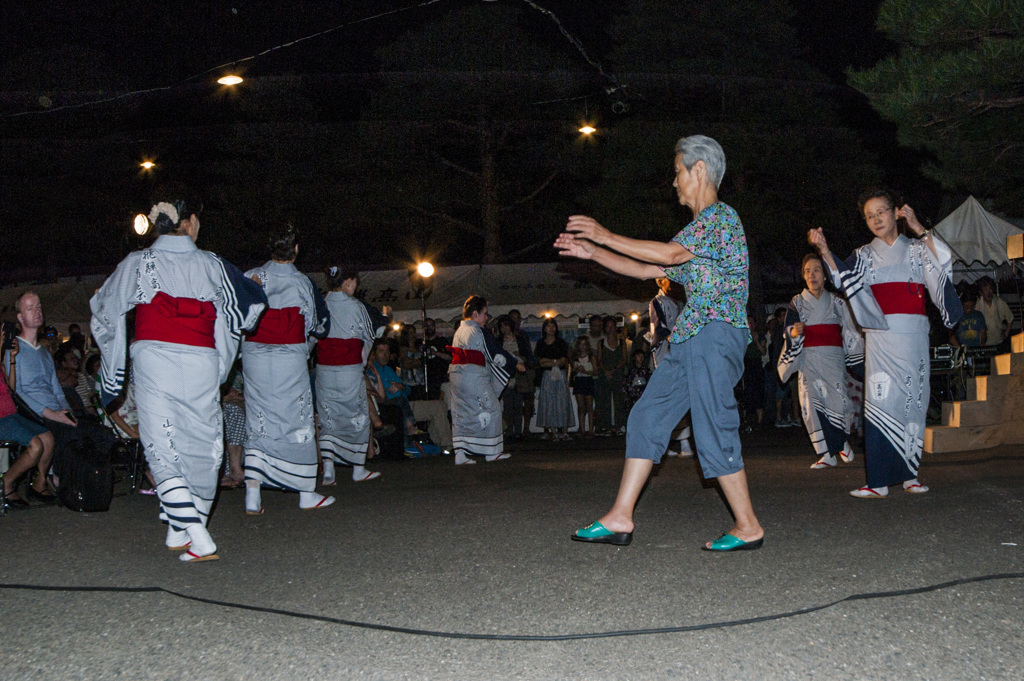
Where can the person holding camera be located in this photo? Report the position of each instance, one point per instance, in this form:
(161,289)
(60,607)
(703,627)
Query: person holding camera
(36,440)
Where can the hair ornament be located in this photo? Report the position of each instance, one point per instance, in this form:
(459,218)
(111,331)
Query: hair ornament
(166,209)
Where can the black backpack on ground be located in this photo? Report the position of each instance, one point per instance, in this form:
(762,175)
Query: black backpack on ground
(86,477)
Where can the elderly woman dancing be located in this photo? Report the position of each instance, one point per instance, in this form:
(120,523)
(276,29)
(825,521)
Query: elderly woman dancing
(886,282)
(190,309)
(705,356)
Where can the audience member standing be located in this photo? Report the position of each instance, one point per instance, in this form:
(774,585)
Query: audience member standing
(554,406)
(611,362)
(998,317)
(584,368)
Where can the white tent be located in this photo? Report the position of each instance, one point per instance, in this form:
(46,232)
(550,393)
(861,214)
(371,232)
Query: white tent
(978,241)
(563,289)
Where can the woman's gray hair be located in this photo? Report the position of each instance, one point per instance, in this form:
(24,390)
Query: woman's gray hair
(702,148)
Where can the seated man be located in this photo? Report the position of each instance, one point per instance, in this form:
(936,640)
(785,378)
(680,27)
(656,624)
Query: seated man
(36,441)
(40,389)
(389,386)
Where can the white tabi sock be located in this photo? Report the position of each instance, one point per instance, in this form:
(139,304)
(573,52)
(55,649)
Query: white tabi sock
(328,472)
(311,500)
(177,540)
(253,499)
(461,459)
(202,547)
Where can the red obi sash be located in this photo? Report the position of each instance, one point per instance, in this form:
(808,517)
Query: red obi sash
(284,326)
(185,321)
(339,352)
(460,356)
(816,335)
(899,297)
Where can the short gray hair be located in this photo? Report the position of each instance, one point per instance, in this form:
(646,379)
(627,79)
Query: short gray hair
(702,148)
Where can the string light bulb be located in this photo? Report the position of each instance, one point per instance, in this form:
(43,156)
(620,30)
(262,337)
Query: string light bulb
(147,165)
(588,129)
(425,269)
(229,79)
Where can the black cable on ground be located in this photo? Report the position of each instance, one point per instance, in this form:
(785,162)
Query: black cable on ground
(515,637)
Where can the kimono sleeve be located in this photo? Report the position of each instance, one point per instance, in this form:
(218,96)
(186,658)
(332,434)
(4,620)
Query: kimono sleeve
(109,305)
(853,342)
(322,326)
(791,359)
(501,363)
(239,307)
(848,277)
(938,279)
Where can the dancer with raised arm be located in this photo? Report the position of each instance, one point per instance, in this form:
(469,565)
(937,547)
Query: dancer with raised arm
(705,356)
(190,310)
(822,343)
(885,282)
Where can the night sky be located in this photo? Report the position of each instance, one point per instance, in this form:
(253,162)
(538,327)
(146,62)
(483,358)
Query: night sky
(58,161)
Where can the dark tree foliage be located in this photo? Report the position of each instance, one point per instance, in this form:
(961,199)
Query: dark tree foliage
(471,160)
(730,71)
(956,90)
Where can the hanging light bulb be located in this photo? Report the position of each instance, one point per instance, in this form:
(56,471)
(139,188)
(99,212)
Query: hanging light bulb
(588,129)
(229,79)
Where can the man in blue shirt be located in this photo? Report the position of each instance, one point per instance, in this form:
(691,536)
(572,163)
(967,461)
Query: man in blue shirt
(39,388)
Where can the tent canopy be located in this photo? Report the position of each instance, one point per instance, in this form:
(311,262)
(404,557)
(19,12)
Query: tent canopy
(978,241)
(556,289)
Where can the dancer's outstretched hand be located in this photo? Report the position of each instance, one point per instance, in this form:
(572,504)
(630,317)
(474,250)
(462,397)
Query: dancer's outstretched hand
(587,228)
(569,245)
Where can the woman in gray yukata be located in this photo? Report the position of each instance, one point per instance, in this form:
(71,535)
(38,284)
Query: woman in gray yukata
(479,371)
(705,357)
(190,310)
(821,344)
(886,282)
(342,403)
(280,448)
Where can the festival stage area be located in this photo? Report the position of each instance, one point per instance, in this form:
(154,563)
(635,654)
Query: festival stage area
(485,550)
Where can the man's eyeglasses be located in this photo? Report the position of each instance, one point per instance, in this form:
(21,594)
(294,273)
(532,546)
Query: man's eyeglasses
(872,216)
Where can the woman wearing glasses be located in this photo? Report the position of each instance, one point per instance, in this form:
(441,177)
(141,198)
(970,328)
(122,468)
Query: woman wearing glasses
(885,282)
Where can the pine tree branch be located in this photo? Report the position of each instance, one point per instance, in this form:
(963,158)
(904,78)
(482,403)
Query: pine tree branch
(456,167)
(531,195)
(453,221)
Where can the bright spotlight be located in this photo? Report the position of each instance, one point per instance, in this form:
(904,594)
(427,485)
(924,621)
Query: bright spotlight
(229,80)
(634,316)
(141,224)
(147,165)
(396,327)
(425,269)
(588,129)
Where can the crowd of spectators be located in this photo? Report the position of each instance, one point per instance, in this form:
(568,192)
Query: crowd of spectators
(583,379)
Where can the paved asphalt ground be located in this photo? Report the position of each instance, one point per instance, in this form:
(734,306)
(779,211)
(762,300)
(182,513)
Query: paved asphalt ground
(485,550)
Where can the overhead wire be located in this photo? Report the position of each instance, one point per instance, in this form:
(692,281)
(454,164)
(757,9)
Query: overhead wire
(220,67)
